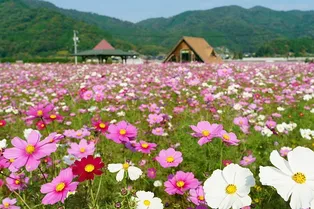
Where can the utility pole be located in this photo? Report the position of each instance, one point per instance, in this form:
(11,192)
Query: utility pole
(76,40)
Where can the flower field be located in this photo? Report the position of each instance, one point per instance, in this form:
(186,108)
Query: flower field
(157,136)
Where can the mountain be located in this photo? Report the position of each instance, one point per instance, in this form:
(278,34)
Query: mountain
(27,32)
(35,27)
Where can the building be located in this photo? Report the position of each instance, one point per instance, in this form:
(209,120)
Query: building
(102,51)
(193,49)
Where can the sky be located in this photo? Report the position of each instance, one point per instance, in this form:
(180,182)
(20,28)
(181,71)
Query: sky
(137,10)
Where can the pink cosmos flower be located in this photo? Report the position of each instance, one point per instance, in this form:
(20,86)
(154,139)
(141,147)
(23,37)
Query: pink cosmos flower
(8,203)
(158,131)
(38,111)
(247,160)
(83,149)
(169,158)
(206,132)
(243,122)
(58,189)
(99,96)
(180,183)
(4,163)
(229,138)
(145,147)
(154,118)
(197,196)
(88,95)
(224,72)
(79,134)
(49,118)
(28,153)
(284,151)
(121,132)
(99,88)
(17,181)
(271,124)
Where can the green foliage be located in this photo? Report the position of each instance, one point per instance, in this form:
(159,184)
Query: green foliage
(298,48)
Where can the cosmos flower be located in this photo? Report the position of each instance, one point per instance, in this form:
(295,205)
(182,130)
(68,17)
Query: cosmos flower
(197,196)
(229,187)
(58,189)
(121,132)
(247,160)
(158,131)
(87,168)
(169,158)
(38,111)
(28,153)
(180,183)
(293,177)
(229,138)
(151,173)
(100,126)
(2,123)
(284,151)
(146,200)
(8,203)
(83,149)
(154,118)
(79,134)
(133,172)
(17,181)
(145,147)
(206,131)
(88,95)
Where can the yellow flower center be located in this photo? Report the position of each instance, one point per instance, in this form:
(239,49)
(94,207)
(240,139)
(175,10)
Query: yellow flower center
(12,160)
(205,133)
(145,145)
(102,125)
(180,184)
(226,137)
(1,123)
(122,131)
(39,113)
(60,187)
(6,205)
(17,182)
(30,149)
(53,116)
(146,202)
(79,133)
(82,150)
(300,178)
(231,189)
(201,198)
(89,168)
(170,159)
(126,166)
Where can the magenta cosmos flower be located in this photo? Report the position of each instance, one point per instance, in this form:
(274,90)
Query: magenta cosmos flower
(28,153)
(58,189)
(169,158)
(83,149)
(8,203)
(121,132)
(39,111)
(181,182)
(229,138)
(17,181)
(206,132)
(145,147)
(197,196)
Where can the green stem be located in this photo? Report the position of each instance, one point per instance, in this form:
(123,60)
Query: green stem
(221,153)
(98,191)
(17,194)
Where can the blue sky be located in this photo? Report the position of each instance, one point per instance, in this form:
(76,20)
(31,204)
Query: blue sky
(136,10)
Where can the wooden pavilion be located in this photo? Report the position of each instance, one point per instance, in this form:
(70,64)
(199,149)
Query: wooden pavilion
(193,49)
(102,51)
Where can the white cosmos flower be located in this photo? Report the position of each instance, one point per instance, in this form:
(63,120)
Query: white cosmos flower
(133,172)
(229,187)
(146,200)
(69,159)
(294,177)
(3,144)
(28,131)
(157,183)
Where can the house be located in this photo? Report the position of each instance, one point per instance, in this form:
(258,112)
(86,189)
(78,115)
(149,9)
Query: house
(102,51)
(193,49)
